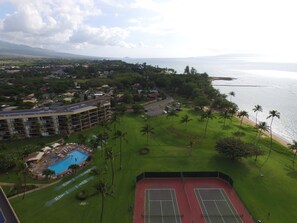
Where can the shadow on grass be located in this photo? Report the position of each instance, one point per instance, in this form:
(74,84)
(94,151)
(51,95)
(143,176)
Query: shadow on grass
(225,164)
(291,172)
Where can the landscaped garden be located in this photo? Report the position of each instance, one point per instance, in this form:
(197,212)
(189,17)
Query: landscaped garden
(174,146)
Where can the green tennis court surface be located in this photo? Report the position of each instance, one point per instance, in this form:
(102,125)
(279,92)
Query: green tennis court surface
(216,206)
(161,206)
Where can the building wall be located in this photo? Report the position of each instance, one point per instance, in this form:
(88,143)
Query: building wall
(53,124)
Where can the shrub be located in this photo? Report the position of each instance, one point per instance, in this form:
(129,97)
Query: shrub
(235,148)
(82,195)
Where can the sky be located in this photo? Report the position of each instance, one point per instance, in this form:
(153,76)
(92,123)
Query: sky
(153,28)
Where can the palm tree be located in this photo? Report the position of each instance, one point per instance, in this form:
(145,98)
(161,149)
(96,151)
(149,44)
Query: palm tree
(225,115)
(172,114)
(73,167)
(104,125)
(147,130)
(262,126)
(115,119)
(207,115)
(48,173)
(23,170)
(105,190)
(122,136)
(232,111)
(109,156)
(232,94)
(185,119)
(257,109)
(241,115)
(272,115)
(293,147)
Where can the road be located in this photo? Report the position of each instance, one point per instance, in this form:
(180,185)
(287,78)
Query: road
(157,108)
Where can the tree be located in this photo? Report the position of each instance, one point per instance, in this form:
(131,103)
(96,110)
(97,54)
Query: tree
(137,108)
(110,156)
(206,115)
(232,94)
(187,70)
(185,119)
(241,115)
(225,115)
(235,148)
(81,139)
(257,109)
(262,126)
(48,173)
(23,170)
(272,115)
(105,190)
(147,130)
(293,147)
(121,136)
(73,167)
(172,113)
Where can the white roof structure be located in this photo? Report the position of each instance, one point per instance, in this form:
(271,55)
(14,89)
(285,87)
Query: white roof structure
(34,156)
(55,145)
(47,148)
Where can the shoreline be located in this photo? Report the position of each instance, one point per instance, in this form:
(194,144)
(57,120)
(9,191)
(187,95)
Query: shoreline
(275,136)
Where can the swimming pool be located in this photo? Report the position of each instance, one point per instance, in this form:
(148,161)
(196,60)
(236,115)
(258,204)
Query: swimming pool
(75,157)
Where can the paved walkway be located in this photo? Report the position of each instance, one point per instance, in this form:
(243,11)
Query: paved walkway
(39,187)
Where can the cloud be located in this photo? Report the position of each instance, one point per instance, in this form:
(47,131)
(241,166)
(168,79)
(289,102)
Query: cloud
(113,36)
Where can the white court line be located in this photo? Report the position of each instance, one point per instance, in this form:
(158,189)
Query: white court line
(219,211)
(3,215)
(202,204)
(173,206)
(161,211)
(231,208)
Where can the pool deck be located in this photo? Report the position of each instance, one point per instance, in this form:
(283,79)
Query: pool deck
(61,152)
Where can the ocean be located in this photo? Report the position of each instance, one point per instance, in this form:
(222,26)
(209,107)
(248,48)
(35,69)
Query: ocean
(270,84)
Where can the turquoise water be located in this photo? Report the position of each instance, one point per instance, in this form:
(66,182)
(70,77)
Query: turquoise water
(75,157)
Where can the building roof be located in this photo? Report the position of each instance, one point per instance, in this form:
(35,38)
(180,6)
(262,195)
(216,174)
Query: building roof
(34,156)
(73,108)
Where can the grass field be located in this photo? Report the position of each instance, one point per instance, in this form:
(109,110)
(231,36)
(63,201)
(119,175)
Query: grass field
(275,192)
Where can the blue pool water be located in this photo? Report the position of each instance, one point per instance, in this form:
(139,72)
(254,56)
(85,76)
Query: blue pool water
(75,157)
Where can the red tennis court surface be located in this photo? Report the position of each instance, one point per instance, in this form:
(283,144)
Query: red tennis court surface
(187,200)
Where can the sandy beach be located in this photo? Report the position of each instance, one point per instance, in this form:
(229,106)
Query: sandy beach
(276,137)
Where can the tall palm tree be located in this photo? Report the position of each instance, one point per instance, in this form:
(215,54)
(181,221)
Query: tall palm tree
(206,115)
(110,156)
(225,115)
(232,94)
(257,109)
(232,111)
(272,115)
(262,127)
(115,119)
(23,170)
(147,130)
(241,115)
(121,136)
(185,119)
(293,147)
(105,190)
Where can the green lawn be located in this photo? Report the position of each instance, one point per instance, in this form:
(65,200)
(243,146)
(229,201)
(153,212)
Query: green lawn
(276,192)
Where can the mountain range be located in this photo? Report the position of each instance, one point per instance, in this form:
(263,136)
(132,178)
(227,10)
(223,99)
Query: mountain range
(16,50)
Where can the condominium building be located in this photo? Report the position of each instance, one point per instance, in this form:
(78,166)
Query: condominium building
(61,120)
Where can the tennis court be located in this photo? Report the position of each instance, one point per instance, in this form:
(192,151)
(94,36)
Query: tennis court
(161,206)
(216,206)
(2,218)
